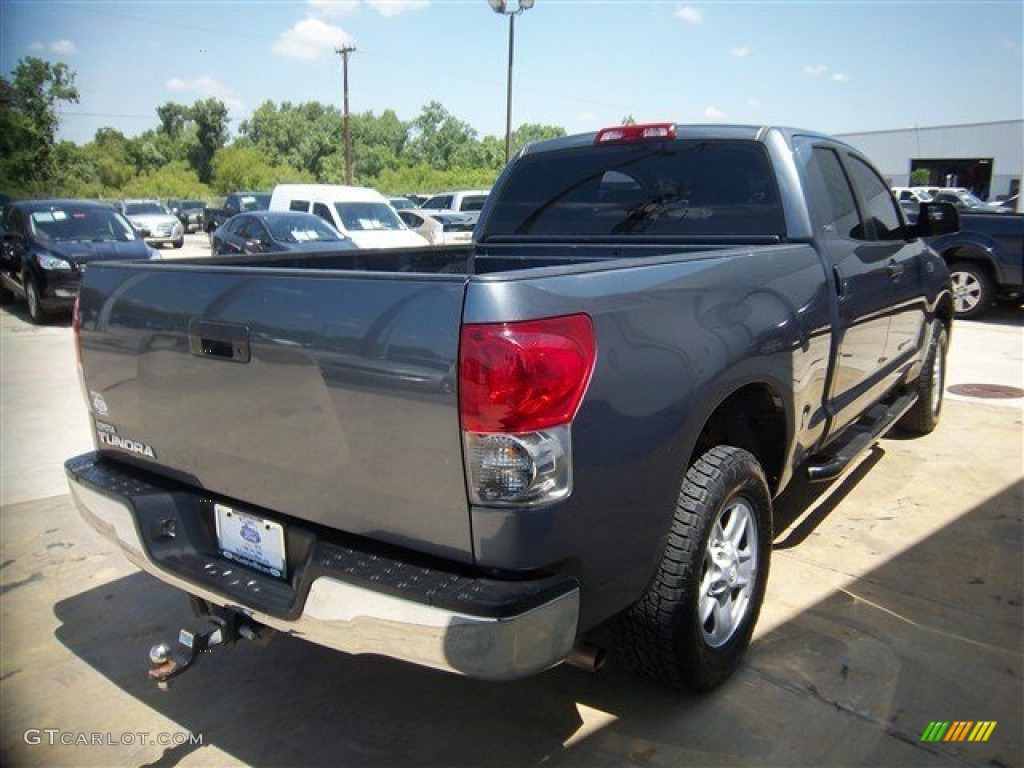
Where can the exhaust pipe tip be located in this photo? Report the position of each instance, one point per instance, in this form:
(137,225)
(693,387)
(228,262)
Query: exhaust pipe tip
(588,657)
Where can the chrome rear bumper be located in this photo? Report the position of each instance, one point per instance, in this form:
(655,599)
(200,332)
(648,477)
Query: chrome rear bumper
(357,620)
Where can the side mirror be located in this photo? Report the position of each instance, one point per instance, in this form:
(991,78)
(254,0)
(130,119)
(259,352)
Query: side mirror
(143,232)
(936,219)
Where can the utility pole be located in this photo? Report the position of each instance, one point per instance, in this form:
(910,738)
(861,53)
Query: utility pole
(344,51)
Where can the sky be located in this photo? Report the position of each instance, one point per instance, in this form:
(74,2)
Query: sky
(840,66)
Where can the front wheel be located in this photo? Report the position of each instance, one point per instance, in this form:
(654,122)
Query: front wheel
(694,623)
(179,242)
(36,313)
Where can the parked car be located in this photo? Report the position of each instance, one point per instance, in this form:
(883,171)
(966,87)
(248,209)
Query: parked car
(158,225)
(439,227)
(47,245)
(911,194)
(236,202)
(277,231)
(962,199)
(400,203)
(360,213)
(189,213)
(1006,205)
(470,201)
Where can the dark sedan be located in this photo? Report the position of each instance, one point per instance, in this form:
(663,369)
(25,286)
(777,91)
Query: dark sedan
(276,231)
(47,244)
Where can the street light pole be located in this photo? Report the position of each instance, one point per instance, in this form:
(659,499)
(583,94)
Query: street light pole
(344,51)
(501,7)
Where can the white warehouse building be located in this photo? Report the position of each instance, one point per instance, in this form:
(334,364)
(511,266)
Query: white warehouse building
(986,158)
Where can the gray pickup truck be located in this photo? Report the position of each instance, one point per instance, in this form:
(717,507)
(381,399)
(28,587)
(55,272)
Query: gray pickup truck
(481,458)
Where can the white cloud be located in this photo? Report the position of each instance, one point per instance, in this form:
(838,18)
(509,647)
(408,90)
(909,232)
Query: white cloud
(63,47)
(333,9)
(689,14)
(839,77)
(205,87)
(714,113)
(740,51)
(311,39)
(586,117)
(815,70)
(752,102)
(397,7)
(36,47)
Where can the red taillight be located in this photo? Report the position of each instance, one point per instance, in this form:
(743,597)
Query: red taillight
(627,133)
(527,376)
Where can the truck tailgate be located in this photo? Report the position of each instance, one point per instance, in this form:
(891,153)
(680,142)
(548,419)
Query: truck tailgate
(326,396)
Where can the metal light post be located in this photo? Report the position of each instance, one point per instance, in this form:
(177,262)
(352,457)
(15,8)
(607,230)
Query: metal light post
(502,7)
(344,51)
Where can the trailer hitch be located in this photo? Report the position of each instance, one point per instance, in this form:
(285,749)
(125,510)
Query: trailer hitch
(223,627)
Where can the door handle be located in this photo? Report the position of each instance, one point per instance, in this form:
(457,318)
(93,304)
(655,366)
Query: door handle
(895,269)
(222,341)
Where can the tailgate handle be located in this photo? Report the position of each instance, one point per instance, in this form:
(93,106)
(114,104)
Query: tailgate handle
(224,341)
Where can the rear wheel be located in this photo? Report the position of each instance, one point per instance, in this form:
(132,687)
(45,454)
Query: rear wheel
(693,625)
(923,417)
(972,289)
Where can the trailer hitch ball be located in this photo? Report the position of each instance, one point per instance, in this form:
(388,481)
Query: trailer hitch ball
(159,653)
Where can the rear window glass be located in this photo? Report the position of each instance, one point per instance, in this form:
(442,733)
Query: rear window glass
(473,202)
(680,188)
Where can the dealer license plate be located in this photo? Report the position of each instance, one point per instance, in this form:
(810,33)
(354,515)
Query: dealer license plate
(250,540)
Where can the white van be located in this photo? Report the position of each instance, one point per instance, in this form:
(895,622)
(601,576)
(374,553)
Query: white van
(359,212)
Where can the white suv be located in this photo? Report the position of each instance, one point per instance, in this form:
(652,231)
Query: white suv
(468,201)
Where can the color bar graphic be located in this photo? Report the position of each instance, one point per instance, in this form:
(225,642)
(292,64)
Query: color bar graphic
(958,730)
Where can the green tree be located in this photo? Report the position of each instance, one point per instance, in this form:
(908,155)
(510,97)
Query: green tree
(175,179)
(530,132)
(173,118)
(248,168)
(920,177)
(29,122)
(302,136)
(442,141)
(211,120)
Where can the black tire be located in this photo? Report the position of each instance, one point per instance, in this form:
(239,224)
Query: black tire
(36,313)
(6,295)
(923,417)
(179,242)
(663,635)
(972,289)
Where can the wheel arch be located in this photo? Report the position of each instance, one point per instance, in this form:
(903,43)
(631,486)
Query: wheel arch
(753,417)
(974,254)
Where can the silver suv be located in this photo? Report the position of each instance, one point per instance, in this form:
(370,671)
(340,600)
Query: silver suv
(160,225)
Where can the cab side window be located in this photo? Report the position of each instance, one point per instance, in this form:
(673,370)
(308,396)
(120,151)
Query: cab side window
(833,204)
(883,221)
(323,212)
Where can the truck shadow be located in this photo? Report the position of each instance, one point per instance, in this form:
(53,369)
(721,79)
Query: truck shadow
(933,633)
